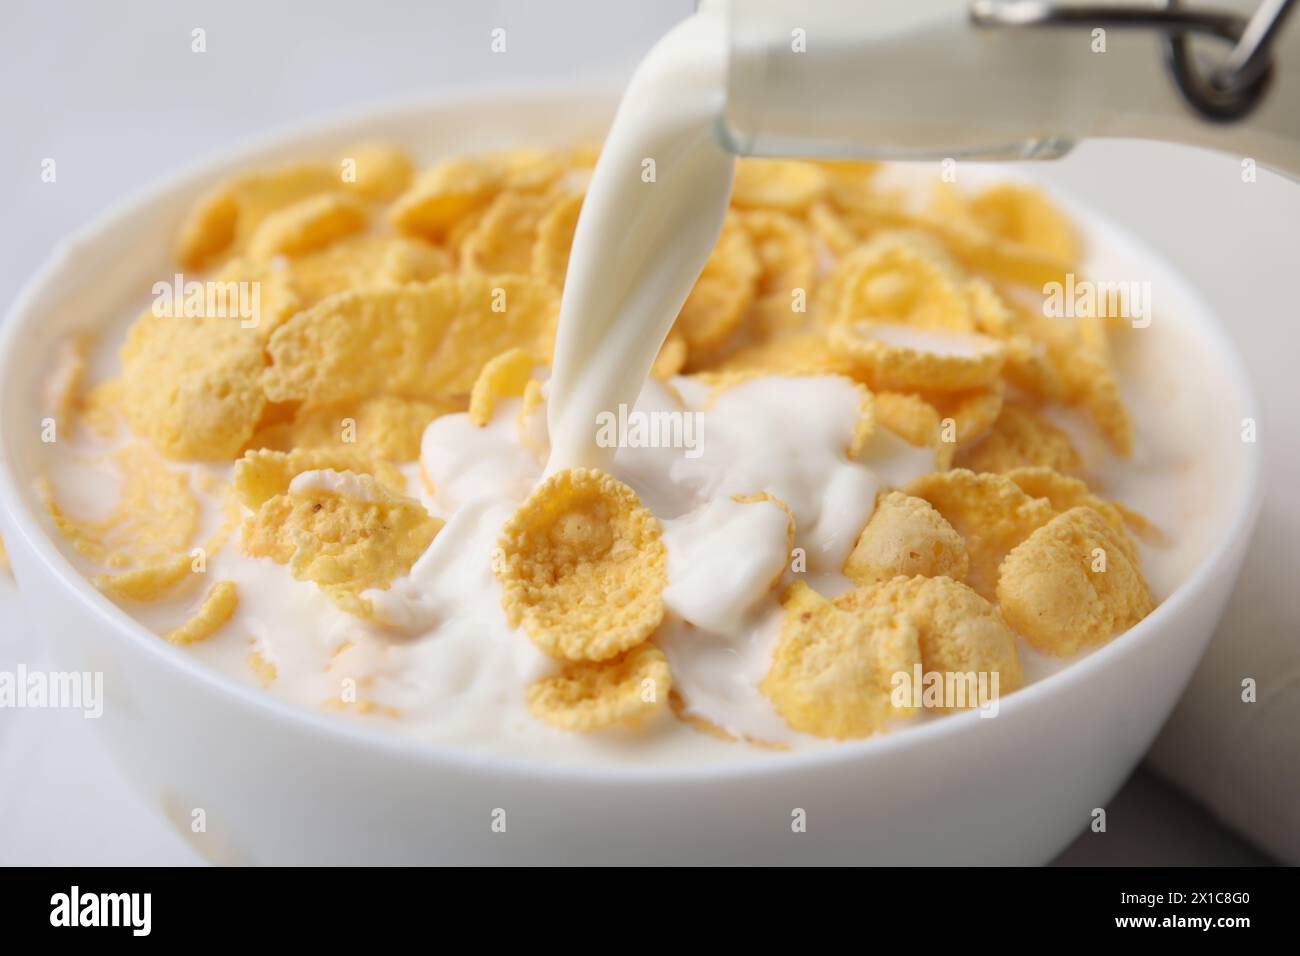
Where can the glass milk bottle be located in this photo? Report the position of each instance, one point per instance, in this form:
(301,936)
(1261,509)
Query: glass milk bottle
(1009,79)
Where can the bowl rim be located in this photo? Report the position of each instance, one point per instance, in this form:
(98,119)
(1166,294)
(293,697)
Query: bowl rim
(257,704)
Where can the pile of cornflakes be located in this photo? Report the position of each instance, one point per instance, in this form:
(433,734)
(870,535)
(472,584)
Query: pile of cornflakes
(388,297)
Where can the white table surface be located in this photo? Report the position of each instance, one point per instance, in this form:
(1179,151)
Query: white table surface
(113,93)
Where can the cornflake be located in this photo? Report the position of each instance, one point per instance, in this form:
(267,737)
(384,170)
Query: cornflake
(584,567)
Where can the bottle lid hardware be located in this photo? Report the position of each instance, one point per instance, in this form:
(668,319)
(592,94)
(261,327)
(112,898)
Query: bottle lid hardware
(1227,92)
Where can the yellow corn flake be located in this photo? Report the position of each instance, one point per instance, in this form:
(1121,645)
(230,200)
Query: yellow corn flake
(809,353)
(1071,585)
(624,691)
(905,535)
(1025,216)
(550,256)
(382,428)
(308,225)
(532,170)
(380,171)
(584,567)
(4,558)
(962,636)
(832,670)
(671,358)
(1065,492)
(1029,369)
(191,386)
(723,292)
(830,229)
(785,253)
(217,608)
(346,532)
(991,513)
(155,516)
(909,416)
(505,376)
(100,408)
(425,341)
(222,221)
(781,184)
(262,474)
(894,279)
(1021,437)
(149,583)
(503,240)
(263,667)
(364,262)
(445,194)
(895,357)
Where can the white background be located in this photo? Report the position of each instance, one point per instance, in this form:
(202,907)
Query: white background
(112,92)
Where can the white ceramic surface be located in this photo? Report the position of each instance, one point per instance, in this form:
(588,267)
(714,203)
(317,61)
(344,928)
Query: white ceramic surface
(279,784)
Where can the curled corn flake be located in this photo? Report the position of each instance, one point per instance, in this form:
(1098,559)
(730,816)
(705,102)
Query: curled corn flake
(1024,215)
(971,412)
(584,567)
(1021,437)
(909,416)
(344,531)
(906,536)
(550,256)
(891,356)
(831,230)
(222,220)
(892,280)
(832,670)
(1066,492)
(503,239)
(785,253)
(624,691)
(960,633)
(263,474)
(716,305)
(217,608)
(155,516)
(991,513)
(383,428)
(381,170)
(445,194)
(809,353)
(308,225)
(1071,585)
(505,376)
(785,185)
(149,583)
(425,341)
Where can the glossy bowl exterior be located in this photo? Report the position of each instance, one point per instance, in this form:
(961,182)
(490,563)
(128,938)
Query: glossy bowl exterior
(279,784)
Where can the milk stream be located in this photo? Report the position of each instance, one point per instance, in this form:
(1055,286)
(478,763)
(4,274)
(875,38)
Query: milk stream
(653,212)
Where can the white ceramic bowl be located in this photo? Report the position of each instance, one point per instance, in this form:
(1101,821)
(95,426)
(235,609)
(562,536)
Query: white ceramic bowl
(279,784)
